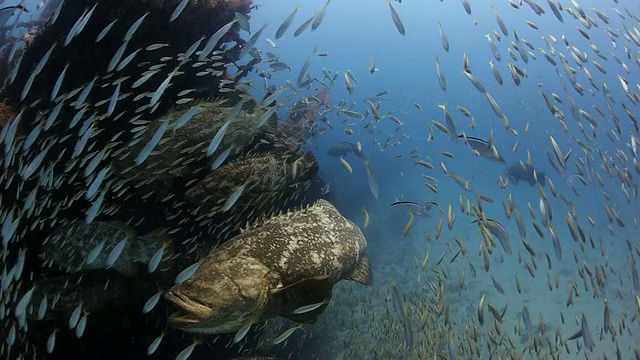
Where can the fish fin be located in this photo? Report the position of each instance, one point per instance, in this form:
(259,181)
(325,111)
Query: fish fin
(304,292)
(362,272)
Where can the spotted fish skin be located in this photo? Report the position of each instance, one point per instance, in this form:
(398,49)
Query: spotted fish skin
(266,173)
(69,246)
(272,182)
(267,264)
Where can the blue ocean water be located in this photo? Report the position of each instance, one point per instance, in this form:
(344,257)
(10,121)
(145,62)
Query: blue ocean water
(354,31)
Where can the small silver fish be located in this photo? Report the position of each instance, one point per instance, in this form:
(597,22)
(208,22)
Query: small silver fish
(319,17)
(187,273)
(234,197)
(217,139)
(396,19)
(151,303)
(154,345)
(134,27)
(286,23)
(285,335)
(178,10)
(146,151)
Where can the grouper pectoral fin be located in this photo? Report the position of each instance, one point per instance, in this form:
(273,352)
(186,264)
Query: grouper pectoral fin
(308,291)
(362,272)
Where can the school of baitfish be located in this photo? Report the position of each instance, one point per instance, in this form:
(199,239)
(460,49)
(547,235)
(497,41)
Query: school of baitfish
(131,188)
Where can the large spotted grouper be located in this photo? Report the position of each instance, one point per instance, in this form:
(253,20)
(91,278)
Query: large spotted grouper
(285,266)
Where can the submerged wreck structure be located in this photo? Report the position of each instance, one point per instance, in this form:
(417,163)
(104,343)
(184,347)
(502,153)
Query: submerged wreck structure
(130,149)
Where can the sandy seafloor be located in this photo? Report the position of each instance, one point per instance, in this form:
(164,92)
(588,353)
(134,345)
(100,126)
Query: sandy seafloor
(361,323)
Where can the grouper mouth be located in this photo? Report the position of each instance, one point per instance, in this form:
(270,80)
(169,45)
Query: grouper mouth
(190,312)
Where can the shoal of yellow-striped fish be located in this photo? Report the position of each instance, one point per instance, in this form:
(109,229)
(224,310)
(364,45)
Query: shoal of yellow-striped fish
(9,227)
(186,352)
(286,334)
(308,308)
(240,334)
(286,23)
(346,165)
(113,100)
(267,114)
(151,303)
(217,139)
(396,19)
(251,42)
(187,273)
(27,86)
(178,10)
(155,344)
(319,16)
(134,27)
(35,164)
(117,56)
(51,341)
(43,60)
(407,228)
(184,119)
(115,253)
(21,307)
(146,76)
(155,260)
(366,219)
(221,158)
(442,80)
(75,316)
(92,165)
(105,31)
(8,133)
(93,254)
(234,197)
(95,184)
(214,39)
(16,68)
(303,26)
(122,64)
(163,86)
(82,324)
(443,38)
(146,151)
(53,115)
(79,25)
(305,69)
(42,308)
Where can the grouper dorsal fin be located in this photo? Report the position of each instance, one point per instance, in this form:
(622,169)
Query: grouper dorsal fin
(362,272)
(308,291)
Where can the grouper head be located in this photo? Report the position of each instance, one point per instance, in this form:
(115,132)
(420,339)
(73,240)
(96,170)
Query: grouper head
(222,296)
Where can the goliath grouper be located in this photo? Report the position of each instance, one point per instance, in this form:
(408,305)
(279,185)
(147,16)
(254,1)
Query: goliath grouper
(525,172)
(342,149)
(102,245)
(285,266)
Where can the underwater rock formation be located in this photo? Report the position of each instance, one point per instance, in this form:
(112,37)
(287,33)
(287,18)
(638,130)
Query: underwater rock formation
(199,19)
(301,121)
